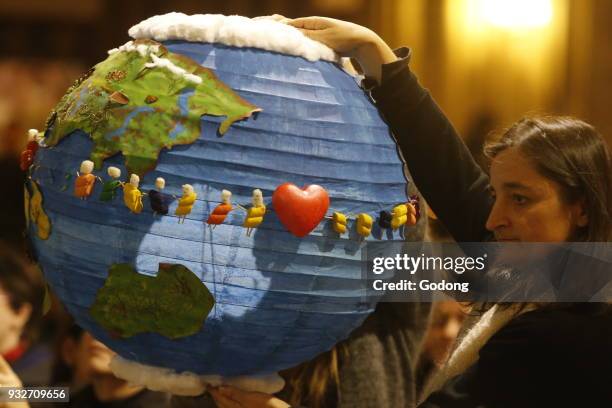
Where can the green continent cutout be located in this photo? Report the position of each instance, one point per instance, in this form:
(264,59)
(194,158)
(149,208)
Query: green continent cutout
(175,303)
(136,110)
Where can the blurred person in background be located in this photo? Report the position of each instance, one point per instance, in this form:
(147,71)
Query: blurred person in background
(447,318)
(8,378)
(21,299)
(86,368)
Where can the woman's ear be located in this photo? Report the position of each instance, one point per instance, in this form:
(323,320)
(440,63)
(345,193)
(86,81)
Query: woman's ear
(581,217)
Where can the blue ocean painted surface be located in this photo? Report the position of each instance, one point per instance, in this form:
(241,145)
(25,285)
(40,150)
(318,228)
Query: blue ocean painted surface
(280,300)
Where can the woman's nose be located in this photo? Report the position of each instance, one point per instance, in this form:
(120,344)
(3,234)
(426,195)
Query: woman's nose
(497,218)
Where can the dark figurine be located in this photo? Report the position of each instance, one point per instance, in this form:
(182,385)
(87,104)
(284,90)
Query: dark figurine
(384,219)
(159,201)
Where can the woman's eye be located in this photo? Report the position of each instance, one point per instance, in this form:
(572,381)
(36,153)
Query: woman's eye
(519,199)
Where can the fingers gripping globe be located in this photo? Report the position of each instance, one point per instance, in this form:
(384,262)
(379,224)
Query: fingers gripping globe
(201,199)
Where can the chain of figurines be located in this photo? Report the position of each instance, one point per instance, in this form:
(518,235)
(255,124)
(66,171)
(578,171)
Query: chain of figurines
(402,214)
(132,196)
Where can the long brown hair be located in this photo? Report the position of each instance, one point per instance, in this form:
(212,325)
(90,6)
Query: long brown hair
(315,383)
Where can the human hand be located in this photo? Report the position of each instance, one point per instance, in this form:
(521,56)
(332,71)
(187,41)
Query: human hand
(231,397)
(348,40)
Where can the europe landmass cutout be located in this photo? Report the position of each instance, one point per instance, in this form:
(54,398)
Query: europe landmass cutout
(128,107)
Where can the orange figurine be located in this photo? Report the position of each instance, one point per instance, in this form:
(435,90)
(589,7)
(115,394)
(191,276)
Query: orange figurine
(220,212)
(83,185)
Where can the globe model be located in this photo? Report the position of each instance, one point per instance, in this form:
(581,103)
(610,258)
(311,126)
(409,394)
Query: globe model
(173,290)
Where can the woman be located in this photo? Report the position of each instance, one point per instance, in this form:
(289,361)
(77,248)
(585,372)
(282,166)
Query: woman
(550,181)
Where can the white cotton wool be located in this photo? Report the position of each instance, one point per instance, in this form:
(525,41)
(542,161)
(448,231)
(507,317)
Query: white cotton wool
(188,384)
(236,31)
(157,379)
(175,69)
(142,49)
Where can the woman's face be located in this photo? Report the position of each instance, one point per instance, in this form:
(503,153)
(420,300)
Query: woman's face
(528,206)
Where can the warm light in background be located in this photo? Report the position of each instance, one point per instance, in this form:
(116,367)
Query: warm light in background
(513,14)
(512,51)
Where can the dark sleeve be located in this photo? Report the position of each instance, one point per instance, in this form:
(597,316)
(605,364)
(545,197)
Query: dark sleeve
(442,167)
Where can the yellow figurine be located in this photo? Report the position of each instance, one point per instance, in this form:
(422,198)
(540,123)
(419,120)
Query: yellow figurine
(185,203)
(339,222)
(364,224)
(255,214)
(132,196)
(399,216)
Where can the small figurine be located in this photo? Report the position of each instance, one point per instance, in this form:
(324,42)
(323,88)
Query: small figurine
(27,156)
(26,159)
(159,201)
(339,222)
(220,212)
(412,213)
(34,138)
(255,214)
(384,219)
(109,188)
(185,203)
(132,197)
(364,224)
(84,183)
(399,215)
(415,200)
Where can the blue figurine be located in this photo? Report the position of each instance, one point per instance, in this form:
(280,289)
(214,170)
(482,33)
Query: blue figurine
(159,201)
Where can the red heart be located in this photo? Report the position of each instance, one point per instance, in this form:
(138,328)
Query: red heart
(300,210)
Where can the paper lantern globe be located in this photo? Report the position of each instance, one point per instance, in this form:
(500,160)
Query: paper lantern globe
(171,290)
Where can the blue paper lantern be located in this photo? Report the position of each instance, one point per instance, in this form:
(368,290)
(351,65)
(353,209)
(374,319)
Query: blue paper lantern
(280,300)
